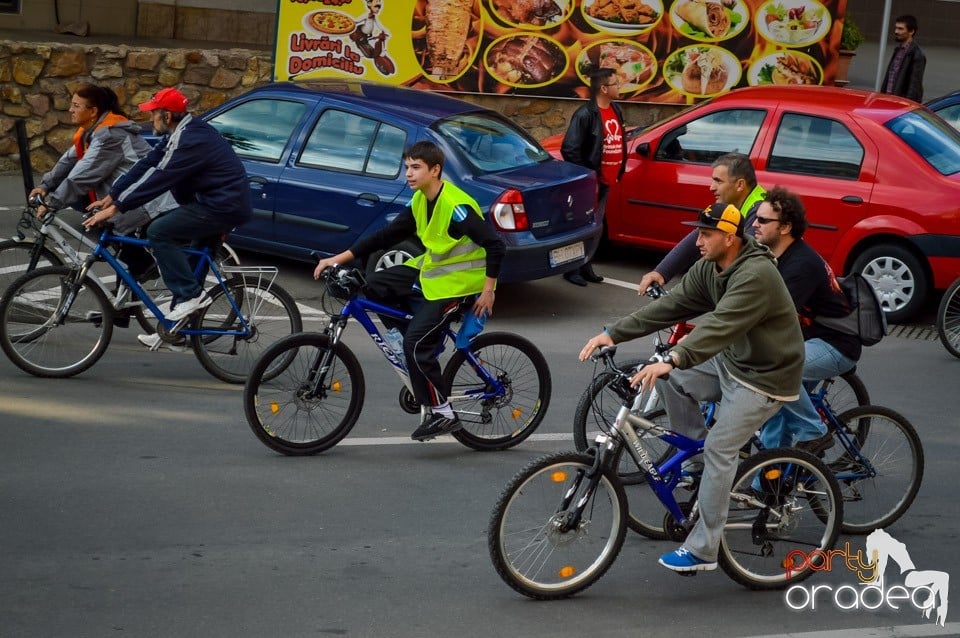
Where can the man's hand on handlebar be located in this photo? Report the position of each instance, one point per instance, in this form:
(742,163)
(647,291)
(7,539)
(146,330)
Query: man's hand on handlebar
(602,339)
(329,262)
(652,277)
(99,216)
(649,373)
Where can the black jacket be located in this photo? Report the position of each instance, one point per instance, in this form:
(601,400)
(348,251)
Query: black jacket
(909,80)
(198,166)
(583,142)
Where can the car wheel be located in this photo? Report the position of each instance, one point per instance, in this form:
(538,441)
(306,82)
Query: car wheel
(393,256)
(899,278)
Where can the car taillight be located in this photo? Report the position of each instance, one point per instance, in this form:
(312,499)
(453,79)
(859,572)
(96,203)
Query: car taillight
(508,213)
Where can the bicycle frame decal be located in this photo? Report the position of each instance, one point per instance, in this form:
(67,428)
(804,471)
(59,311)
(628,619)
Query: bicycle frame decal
(925,591)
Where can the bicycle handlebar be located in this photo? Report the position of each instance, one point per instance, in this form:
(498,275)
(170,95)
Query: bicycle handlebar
(655,291)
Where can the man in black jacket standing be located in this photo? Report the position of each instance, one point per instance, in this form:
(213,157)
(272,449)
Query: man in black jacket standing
(595,140)
(904,76)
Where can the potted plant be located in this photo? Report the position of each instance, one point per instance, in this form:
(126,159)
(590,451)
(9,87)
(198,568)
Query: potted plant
(850,40)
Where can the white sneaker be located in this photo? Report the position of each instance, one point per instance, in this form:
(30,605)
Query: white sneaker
(190,306)
(154,342)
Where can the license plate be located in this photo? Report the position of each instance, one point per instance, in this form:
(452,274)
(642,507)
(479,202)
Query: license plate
(566,253)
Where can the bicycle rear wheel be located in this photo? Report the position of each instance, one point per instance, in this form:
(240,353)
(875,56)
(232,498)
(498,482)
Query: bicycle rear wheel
(880,478)
(776,534)
(498,421)
(15,258)
(35,336)
(270,313)
(948,319)
(286,408)
(531,545)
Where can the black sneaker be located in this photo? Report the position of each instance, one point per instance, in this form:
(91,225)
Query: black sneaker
(436,425)
(817,446)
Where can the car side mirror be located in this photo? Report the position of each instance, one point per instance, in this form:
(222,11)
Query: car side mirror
(643,148)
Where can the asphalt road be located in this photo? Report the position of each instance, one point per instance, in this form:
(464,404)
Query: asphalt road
(135,501)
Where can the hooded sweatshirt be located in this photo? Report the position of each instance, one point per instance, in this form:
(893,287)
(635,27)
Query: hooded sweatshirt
(749,321)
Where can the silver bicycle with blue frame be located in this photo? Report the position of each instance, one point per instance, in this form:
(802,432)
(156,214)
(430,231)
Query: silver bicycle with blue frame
(57,321)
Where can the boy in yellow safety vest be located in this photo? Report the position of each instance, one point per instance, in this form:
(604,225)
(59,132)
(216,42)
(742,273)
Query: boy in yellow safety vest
(462,258)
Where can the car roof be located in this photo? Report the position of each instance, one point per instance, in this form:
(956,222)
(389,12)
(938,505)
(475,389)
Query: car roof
(879,107)
(412,105)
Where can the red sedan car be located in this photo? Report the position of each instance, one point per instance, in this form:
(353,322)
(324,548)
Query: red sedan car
(879,175)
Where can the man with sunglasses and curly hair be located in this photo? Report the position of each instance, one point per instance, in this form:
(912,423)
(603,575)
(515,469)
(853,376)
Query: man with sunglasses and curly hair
(780,224)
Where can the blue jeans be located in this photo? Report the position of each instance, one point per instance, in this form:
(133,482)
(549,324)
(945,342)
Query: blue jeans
(798,420)
(187,225)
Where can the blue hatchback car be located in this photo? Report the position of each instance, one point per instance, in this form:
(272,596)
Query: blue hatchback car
(325,161)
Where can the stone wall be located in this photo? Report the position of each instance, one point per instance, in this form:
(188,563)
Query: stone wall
(37,81)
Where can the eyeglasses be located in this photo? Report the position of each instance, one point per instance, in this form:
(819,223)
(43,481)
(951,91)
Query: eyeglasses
(766,220)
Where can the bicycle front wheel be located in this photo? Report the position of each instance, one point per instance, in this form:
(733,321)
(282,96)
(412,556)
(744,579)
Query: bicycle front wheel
(785,513)
(879,472)
(844,393)
(535,548)
(16,258)
(270,314)
(497,420)
(290,408)
(948,319)
(595,412)
(52,327)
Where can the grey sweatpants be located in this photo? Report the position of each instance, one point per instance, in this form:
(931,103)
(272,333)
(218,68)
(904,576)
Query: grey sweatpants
(738,416)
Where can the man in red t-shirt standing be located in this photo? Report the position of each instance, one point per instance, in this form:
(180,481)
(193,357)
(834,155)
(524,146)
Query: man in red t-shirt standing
(595,140)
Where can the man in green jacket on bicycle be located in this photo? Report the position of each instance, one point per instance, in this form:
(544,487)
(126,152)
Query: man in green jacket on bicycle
(747,350)
(462,259)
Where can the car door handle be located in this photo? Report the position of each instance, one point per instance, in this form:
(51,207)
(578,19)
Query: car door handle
(257,183)
(367,199)
(851,199)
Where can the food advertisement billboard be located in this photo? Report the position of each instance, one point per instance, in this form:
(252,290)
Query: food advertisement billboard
(668,51)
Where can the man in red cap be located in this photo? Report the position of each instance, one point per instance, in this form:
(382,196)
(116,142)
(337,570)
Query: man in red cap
(199,167)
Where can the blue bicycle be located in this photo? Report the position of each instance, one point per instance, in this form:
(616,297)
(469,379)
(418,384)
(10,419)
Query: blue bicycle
(560,522)
(57,321)
(305,393)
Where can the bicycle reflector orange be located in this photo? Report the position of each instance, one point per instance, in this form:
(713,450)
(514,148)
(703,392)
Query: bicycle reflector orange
(335,386)
(559,476)
(772,474)
(516,413)
(567,571)
(274,407)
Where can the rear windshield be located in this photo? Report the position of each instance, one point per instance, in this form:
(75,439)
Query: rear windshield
(933,139)
(490,144)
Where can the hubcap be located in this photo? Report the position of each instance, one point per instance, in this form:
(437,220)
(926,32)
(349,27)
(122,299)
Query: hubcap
(893,281)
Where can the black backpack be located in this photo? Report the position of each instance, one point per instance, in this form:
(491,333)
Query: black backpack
(867,319)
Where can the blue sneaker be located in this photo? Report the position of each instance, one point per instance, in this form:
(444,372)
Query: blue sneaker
(683,561)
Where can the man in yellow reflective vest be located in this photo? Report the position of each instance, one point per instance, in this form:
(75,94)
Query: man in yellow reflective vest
(462,258)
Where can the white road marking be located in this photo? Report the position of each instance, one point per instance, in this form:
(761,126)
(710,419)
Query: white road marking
(406,440)
(622,284)
(898,631)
